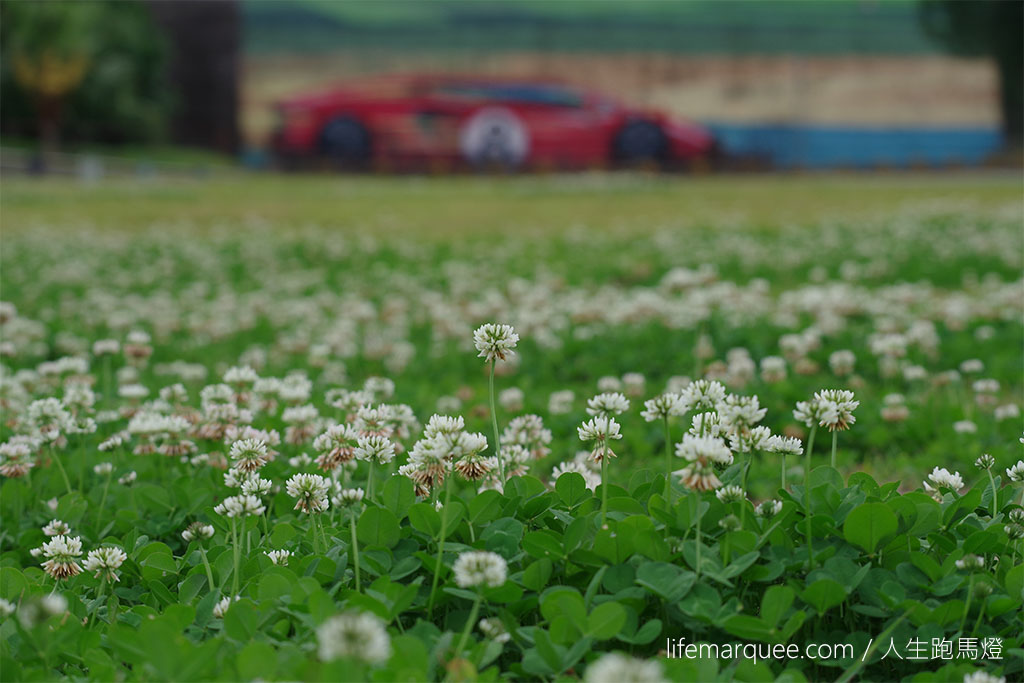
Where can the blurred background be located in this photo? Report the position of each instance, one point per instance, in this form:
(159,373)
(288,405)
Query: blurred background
(149,86)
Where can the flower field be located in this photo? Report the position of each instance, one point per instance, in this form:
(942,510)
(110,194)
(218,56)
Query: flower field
(615,447)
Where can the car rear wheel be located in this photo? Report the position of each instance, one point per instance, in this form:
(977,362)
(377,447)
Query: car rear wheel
(640,142)
(346,142)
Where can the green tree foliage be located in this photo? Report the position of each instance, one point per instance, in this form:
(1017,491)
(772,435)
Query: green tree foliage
(992,28)
(93,69)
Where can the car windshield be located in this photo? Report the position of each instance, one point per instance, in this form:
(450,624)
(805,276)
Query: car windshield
(514,92)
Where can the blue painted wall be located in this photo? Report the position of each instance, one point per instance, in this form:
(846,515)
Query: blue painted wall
(800,146)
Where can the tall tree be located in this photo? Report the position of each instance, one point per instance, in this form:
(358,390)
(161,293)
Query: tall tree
(992,28)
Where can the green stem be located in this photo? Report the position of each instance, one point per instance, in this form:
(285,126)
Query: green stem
(440,542)
(743,482)
(103,499)
(316,536)
(102,590)
(323,532)
(206,564)
(995,507)
(783,481)
(699,510)
(369,482)
(494,424)
(807,496)
(355,550)
(60,466)
(469,624)
(835,438)
(967,605)
(234,556)
(668,463)
(604,486)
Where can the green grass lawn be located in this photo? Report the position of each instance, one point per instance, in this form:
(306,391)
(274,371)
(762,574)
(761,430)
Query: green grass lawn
(453,206)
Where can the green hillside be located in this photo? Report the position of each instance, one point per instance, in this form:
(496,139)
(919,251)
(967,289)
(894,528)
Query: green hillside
(701,26)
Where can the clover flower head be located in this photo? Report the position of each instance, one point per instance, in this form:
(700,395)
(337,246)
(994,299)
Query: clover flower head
(704,394)
(970,562)
(197,531)
(837,407)
(943,478)
(495,342)
(479,568)
(1016,472)
(618,668)
(985,462)
(375,448)
(57,528)
(221,608)
(607,404)
(310,490)
(249,455)
(62,553)
(279,557)
(347,498)
(731,494)
(601,430)
(493,629)
(105,562)
(768,508)
(663,407)
(240,506)
(359,635)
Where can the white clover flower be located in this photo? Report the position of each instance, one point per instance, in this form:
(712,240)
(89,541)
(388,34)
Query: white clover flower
(279,557)
(105,562)
(773,369)
(103,468)
(970,562)
(971,366)
(106,347)
(528,431)
(348,498)
(376,448)
(57,528)
(768,508)
(738,414)
(114,441)
(706,424)
(1016,472)
(15,459)
(601,430)
(1008,411)
(837,406)
(985,462)
(511,399)
(240,375)
(310,490)
(703,394)
(607,404)
(249,455)
(785,445)
(591,479)
(495,342)
(197,530)
(240,506)
(704,448)
(810,413)
(663,407)
(221,608)
(983,677)
(7,608)
(965,427)
(493,629)
(480,567)
(62,553)
(353,634)
(255,486)
(942,478)
(617,668)
(730,494)
(560,402)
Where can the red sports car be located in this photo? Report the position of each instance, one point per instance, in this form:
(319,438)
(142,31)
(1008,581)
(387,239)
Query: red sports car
(448,122)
